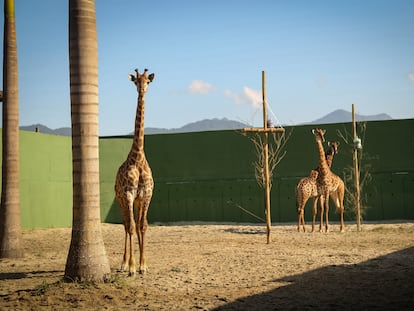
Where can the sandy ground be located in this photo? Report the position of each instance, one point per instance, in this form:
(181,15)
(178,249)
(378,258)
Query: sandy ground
(225,267)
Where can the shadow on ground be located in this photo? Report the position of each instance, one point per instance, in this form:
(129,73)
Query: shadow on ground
(383,283)
(114,214)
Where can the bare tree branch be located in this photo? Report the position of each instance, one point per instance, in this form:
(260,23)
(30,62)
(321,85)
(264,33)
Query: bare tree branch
(277,143)
(349,174)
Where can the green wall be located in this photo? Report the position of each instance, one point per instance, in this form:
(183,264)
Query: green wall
(45,180)
(206,176)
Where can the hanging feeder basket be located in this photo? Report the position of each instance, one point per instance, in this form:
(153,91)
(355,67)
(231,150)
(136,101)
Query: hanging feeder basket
(357,143)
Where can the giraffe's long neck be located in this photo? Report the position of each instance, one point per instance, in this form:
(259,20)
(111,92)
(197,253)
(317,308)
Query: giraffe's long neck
(323,164)
(137,149)
(329,158)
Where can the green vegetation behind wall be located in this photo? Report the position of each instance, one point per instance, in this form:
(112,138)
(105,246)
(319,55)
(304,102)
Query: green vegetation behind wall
(208,176)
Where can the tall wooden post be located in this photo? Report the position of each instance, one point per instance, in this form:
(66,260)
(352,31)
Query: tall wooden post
(356,172)
(266,160)
(266,130)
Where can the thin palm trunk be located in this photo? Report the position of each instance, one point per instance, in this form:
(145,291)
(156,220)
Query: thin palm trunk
(87,259)
(10,227)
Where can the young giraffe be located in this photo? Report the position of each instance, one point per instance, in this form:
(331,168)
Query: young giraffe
(327,183)
(337,191)
(306,188)
(134,183)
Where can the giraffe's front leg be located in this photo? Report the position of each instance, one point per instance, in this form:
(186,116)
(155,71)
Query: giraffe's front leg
(321,204)
(132,266)
(141,230)
(131,230)
(326,213)
(141,227)
(125,260)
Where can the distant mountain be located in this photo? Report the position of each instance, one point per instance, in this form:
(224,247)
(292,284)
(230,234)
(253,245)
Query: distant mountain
(200,126)
(63,131)
(339,116)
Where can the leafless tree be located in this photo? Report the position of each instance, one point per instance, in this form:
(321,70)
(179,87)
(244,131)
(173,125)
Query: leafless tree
(277,151)
(349,172)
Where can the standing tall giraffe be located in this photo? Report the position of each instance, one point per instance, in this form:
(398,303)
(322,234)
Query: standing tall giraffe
(336,191)
(134,183)
(323,182)
(327,183)
(307,188)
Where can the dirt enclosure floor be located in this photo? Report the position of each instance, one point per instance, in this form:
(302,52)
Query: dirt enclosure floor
(224,267)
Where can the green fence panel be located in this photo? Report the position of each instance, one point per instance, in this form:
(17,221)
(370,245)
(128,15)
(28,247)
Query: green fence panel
(408,193)
(391,192)
(45,180)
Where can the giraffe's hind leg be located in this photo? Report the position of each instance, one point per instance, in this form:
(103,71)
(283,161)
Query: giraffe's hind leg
(301,219)
(314,212)
(338,199)
(301,199)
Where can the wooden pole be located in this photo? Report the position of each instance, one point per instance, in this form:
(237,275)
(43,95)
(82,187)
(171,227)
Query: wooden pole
(356,172)
(266,160)
(266,130)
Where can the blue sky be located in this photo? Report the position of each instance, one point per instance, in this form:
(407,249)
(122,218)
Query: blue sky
(208,56)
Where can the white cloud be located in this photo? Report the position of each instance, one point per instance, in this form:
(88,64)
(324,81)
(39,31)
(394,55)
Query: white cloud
(253,97)
(411,76)
(237,98)
(200,87)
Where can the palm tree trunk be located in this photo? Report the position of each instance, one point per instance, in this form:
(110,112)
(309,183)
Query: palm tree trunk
(87,259)
(10,227)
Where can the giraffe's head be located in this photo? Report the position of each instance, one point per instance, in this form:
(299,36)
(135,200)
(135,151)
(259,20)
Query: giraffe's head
(313,174)
(141,80)
(333,147)
(319,134)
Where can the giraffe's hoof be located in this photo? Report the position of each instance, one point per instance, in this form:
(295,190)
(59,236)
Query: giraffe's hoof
(124,267)
(131,274)
(143,270)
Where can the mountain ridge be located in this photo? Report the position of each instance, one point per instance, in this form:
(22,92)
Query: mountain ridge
(217,124)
